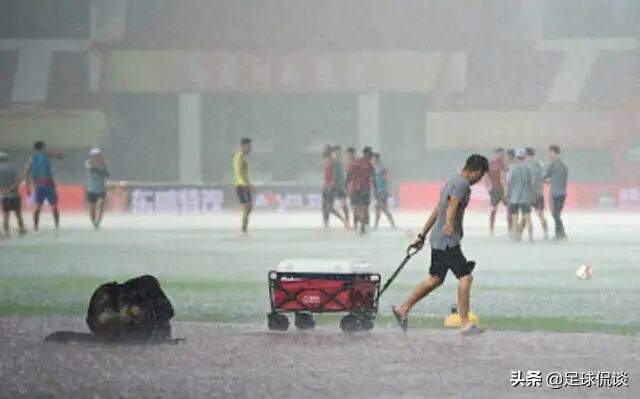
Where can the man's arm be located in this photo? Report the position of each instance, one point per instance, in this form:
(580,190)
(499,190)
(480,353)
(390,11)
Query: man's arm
(548,173)
(533,187)
(503,178)
(419,243)
(454,201)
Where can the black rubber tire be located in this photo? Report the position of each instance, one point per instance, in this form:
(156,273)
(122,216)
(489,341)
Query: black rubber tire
(304,321)
(277,322)
(366,324)
(350,324)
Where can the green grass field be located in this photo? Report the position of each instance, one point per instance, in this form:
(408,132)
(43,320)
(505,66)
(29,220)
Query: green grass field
(211,275)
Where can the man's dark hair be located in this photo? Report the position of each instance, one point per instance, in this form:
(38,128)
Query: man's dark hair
(530,151)
(498,150)
(555,149)
(511,153)
(477,162)
(38,145)
(245,141)
(351,150)
(376,155)
(336,148)
(367,152)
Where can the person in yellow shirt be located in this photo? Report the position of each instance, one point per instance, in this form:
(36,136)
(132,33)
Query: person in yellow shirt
(241,181)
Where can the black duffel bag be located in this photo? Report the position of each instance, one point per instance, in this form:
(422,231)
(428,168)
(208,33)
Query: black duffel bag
(135,310)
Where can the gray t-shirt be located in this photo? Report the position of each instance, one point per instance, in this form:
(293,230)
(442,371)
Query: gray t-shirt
(8,178)
(96,177)
(537,172)
(520,182)
(559,175)
(458,186)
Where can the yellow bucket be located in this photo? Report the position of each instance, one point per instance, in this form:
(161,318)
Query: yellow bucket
(453,320)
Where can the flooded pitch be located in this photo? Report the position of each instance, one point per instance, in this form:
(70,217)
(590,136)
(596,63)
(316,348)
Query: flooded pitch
(246,361)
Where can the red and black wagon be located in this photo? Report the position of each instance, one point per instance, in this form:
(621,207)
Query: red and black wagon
(307,286)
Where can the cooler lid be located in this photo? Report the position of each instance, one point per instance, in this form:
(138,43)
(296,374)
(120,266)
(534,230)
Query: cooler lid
(333,266)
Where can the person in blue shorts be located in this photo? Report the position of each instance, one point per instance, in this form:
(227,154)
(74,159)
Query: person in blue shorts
(381,190)
(39,174)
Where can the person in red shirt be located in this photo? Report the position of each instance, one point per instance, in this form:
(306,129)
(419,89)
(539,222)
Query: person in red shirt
(360,175)
(328,185)
(351,158)
(495,181)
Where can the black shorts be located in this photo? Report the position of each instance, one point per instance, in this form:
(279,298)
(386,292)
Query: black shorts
(93,197)
(328,196)
(244,194)
(539,205)
(443,260)
(339,193)
(382,197)
(514,209)
(361,197)
(11,204)
(497,196)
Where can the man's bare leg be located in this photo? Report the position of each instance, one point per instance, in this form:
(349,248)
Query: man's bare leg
(423,289)
(325,214)
(514,226)
(492,220)
(377,222)
(36,217)
(389,216)
(528,224)
(92,213)
(56,216)
(246,211)
(543,222)
(5,222)
(99,212)
(23,231)
(345,210)
(464,299)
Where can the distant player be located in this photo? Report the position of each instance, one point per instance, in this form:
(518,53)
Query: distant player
(382,190)
(496,181)
(351,160)
(96,188)
(521,194)
(340,188)
(9,194)
(244,189)
(557,174)
(510,160)
(328,186)
(360,175)
(445,225)
(39,173)
(537,170)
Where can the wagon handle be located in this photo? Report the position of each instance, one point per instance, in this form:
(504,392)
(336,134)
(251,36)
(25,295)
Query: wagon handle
(411,250)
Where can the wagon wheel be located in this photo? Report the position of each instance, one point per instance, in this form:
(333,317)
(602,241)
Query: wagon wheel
(304,321)
(350,323)
(366,323)
(277,322)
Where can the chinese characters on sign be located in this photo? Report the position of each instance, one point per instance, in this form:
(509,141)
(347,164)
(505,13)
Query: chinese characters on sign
(557,380)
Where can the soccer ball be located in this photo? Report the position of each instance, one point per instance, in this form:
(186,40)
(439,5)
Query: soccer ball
(584,272)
